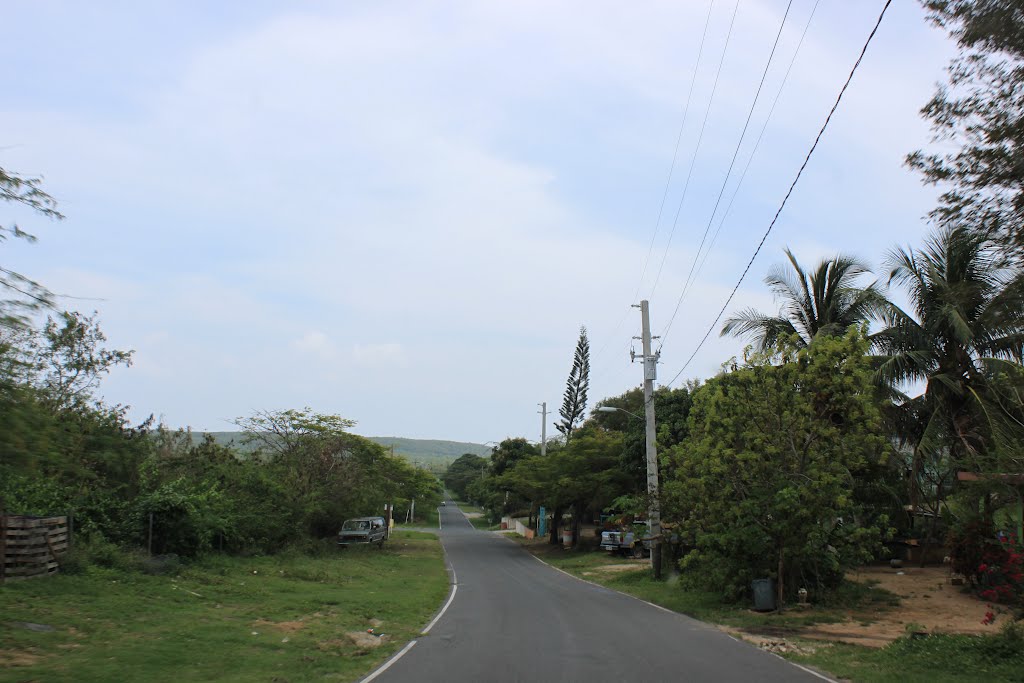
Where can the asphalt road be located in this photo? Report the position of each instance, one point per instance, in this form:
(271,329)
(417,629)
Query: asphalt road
(513,618)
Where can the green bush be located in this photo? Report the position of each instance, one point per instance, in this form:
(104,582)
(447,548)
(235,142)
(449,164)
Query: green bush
(96,551)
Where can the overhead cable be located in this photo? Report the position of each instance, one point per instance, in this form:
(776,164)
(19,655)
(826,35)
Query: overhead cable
(675,152)
(757,143)
(788,193)
(693,159)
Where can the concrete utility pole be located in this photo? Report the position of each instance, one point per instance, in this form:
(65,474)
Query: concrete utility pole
(650,361)
(544,429)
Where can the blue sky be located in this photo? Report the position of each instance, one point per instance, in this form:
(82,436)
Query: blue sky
(403,212)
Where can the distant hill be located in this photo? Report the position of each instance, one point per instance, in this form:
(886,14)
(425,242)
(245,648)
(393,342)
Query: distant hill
(426,451)
(430,449)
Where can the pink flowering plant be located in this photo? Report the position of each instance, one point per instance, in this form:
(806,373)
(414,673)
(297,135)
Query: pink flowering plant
(1000,578)
(993,564)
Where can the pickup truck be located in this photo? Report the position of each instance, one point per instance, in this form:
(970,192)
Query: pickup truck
(628,541)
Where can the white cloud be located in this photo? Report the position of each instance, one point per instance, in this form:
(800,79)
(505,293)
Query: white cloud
(404,214)
(375,355)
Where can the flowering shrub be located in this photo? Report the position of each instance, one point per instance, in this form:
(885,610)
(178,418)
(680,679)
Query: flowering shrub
(971,544)
(1000,576)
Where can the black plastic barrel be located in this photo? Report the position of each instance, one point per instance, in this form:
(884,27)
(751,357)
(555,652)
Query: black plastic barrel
(764,594)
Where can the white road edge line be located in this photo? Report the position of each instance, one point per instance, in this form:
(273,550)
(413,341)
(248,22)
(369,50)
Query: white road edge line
(455,586)
(810,671)
(665,609)
(451,597)
(388,663)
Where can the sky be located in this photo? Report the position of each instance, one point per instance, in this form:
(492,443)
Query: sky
(403,212)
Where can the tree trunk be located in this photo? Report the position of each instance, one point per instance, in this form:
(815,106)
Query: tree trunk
(577,515)
(556,516)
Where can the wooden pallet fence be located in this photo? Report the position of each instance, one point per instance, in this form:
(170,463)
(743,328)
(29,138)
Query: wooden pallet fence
(31,546)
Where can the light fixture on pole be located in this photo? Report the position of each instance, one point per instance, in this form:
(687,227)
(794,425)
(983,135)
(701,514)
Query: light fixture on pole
(611,409)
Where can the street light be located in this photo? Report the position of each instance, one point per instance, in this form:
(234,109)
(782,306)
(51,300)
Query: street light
(612,409)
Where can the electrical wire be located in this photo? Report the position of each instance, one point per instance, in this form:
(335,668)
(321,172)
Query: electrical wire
(728,174)
(675,153)
(757,143)
(668,183)
(789,192)
(693,159)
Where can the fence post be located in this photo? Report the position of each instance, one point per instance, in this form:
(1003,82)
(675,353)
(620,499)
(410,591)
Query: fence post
(71,528)
(150,534)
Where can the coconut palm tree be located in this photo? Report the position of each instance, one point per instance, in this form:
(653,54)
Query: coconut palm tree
(826,301)
(964,338)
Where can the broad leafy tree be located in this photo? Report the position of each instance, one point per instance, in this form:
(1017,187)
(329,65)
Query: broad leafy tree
(583,475)
(764,480)
(825,301)
(510,451)
(465,470)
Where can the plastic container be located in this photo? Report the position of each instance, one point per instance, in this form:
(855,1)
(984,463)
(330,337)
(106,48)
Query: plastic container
(567,538)
(764,594)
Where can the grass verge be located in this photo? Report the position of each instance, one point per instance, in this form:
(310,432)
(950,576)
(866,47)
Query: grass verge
(425,518)
(935,658)
(634,577)
(483,523)
(289,617)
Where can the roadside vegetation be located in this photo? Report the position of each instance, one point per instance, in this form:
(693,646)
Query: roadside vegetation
(634,577)
(288,617)
(918,656)
(188,555)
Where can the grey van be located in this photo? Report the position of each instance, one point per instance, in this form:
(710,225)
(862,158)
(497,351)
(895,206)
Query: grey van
(363,530)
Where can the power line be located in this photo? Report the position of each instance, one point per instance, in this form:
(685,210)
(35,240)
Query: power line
(668,183)
(728,174)
(757,143)
(693,159)
(675,153)
(789,192)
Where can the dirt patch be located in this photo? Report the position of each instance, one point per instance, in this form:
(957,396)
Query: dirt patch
(616,568)
(927,599)
(282,626)
(17,658)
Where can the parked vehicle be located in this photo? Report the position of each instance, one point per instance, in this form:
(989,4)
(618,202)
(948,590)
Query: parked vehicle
(627,541)
(363,530)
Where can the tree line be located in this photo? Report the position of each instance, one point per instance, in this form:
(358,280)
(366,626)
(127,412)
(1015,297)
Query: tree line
(64,450)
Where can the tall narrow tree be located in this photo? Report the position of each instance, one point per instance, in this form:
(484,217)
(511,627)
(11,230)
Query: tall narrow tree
(574,403)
